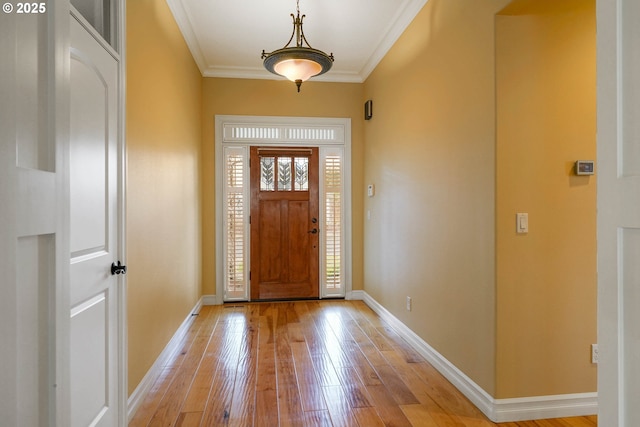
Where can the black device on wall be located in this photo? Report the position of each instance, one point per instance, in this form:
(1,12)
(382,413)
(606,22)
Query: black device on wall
(585,167)
(368,109)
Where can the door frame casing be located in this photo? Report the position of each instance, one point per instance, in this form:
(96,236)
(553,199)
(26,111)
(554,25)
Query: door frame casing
(224,121)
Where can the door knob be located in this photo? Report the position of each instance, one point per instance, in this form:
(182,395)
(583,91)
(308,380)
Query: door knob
(118,269)
(314,231)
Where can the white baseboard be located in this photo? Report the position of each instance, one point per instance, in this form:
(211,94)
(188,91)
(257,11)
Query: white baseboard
(535,408)
(210,300)
(355,295)
(138,395)
(497,410)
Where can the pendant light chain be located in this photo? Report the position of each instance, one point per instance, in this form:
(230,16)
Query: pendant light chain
(297,24)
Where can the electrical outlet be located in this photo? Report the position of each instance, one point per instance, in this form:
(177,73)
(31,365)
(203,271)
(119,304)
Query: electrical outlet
(408,303)
(594,353)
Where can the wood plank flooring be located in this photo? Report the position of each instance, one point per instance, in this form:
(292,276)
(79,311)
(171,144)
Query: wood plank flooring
(306,363)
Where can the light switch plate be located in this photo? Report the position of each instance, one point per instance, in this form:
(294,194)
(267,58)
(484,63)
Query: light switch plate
(522,223)
(371,190)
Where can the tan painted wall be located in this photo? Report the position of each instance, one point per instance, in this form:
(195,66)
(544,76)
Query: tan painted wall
(546,279)
(514,313)
(163,182)
(430,151)
(278,98)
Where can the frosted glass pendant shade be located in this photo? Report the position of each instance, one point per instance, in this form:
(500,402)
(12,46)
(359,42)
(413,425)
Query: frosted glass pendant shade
(297,69)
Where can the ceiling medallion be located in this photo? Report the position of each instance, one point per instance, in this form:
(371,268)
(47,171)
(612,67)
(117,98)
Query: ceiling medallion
(297,63)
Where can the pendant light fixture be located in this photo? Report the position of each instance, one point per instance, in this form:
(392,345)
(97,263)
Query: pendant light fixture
(297,63)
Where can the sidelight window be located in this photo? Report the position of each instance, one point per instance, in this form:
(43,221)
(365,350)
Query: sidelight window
(332,230)
(236,211)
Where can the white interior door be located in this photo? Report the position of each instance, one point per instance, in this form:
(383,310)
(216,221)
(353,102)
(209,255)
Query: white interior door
(94,231)
(618,42)
(33,216)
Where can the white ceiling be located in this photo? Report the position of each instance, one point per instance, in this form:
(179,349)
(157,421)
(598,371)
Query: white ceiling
(226,37)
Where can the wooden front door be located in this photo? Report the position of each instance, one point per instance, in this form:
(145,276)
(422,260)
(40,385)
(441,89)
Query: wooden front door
(284,223)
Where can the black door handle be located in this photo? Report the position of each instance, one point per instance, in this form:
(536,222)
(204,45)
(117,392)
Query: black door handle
(118,269)
(314,231)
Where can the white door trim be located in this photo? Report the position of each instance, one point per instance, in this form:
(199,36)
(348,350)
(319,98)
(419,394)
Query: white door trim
(342,128)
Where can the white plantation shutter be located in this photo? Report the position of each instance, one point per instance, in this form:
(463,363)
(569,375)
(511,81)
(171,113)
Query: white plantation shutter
(332,231)
(236,205)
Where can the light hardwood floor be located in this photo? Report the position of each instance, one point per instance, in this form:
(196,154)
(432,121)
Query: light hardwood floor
(306,363)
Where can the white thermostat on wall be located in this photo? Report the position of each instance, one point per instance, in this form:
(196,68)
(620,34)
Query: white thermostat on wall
(585,167)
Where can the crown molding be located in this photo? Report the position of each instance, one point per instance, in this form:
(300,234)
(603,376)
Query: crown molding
(391,34)
(262,74)
(183,20)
